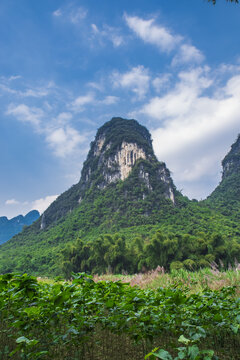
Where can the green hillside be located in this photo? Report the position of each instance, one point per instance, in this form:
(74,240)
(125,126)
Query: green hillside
(226,197)
(125,214)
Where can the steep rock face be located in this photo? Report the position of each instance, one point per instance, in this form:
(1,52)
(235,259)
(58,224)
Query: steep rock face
(119,146)
(117,164)
(124,159)
(231,162)
(226,197)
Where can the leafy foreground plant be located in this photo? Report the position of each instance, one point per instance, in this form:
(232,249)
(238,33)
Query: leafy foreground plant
(111,320)
(190,351)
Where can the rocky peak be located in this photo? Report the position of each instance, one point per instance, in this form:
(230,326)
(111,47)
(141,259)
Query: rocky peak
(122,151)
(231,162)
(119,145)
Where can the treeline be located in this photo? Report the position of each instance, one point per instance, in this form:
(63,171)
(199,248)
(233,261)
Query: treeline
(112,253)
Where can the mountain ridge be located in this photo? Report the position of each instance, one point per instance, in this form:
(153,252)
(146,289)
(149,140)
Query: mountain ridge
(10,227)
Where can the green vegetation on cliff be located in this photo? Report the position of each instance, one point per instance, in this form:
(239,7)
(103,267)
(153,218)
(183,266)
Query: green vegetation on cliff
(149,222)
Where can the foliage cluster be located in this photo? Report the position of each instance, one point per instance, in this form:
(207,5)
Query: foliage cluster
(225,198)
(173,251)
(118,130)
(190,227)
(106,320)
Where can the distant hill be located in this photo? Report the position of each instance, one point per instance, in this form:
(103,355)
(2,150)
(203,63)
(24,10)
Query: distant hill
(11,227)
(125,213)
(226,197)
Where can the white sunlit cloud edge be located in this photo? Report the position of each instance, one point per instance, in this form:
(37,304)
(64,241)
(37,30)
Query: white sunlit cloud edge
(193,131)
(195,120)
(18,207)
(164,39)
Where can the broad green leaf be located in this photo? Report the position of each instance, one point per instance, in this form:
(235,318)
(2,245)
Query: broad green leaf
(182,339)
(23,339)
(163,355)
(193,352)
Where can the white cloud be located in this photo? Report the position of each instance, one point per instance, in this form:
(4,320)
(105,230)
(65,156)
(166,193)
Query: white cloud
(164,40)
(79,103)
(11,202)
(77,15)
(107,33)
(161,82)
(109,100)
(187,54)
(62,138)
(137,80)
(117,40)
(153,34)
(95,29)
(194,128)
(37,92)
(25,113)
(64,141)
(7,89)
(42,204)
(57,13)
(63,118)
(95,85)
(34,93)
(14,77)
(180,99)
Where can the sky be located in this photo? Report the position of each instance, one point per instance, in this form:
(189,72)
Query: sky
(68,66)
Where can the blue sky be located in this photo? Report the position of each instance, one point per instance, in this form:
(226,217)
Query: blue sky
(67,67)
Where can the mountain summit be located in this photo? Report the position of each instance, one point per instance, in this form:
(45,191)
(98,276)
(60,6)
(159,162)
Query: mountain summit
(120,146)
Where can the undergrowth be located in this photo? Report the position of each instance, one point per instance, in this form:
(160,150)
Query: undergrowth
(89,320)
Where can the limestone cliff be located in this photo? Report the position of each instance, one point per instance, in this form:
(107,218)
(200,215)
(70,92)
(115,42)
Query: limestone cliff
(231,162)
(119,147)
(226,197)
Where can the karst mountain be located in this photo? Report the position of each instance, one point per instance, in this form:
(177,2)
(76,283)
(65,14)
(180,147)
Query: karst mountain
(125,190)
(226,197)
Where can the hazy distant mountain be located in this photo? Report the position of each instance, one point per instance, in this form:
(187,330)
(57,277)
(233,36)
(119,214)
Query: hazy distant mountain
(11,227)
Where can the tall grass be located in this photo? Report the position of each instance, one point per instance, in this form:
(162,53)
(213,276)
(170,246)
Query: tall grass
(212,278)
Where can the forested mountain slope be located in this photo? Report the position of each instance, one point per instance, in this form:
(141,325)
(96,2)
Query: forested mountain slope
(123,190)
(226,197)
